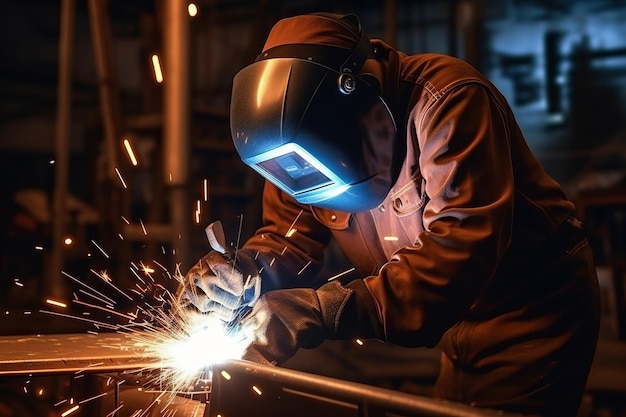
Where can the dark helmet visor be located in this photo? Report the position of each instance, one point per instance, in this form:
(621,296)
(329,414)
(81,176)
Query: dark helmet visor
(323,137)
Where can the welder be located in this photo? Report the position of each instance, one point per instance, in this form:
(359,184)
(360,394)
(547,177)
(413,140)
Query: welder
(417,168)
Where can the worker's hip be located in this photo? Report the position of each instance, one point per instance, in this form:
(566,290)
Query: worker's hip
(535,348)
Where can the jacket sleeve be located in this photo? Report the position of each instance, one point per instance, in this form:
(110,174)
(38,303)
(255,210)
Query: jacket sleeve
(287,259)
(468,178)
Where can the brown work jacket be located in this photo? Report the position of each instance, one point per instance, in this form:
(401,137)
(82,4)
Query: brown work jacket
(457,236)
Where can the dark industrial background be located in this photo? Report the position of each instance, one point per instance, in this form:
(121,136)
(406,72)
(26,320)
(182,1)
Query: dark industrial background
(77,78)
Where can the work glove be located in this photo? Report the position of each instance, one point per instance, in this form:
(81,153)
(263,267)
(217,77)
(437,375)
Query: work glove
(282,321)
(224,283)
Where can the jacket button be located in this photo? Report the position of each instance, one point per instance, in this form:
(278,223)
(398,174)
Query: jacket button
(333,217)
(397,203)
(381,208)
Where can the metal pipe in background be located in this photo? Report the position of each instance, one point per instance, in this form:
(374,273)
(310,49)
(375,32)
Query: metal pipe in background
(53,285)
(391,22)
(469,20)
(110,200)
(109,103)
(176,117)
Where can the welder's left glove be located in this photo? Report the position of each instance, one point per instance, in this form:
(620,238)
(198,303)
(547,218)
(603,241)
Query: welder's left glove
(284,320)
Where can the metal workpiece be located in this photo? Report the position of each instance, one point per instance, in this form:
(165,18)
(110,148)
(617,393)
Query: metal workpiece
(245,389)
(235,388)
(71,353)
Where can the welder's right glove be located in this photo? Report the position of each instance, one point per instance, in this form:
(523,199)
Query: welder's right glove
(282,321)
(221,285)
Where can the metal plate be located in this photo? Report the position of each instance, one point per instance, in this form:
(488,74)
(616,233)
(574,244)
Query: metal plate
(64,353)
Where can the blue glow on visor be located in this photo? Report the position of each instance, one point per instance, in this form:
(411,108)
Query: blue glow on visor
(298,173)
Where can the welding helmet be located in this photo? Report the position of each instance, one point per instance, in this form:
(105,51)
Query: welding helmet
(305,118)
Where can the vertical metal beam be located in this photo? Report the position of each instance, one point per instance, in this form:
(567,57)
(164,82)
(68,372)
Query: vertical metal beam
(54,284)
(453,27)
(110,113)
(116,398)
(109,103)
(176,117)
(470,16)
(391,22)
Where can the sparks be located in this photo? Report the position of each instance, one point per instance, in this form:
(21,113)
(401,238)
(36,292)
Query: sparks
(95,297)
(147,269)
(198,212)
(119,174)
(114,412)
(304,267)
(104,276)
(341,274)
(129,151)
(91,365)
(70,411)
(92,398)
(158,74)
(56,303)
(292,224)
(106,255)
(160,265)
(88,287)
(192,9)
(182,345)
(95,322)
(137,275)
(108,310)
(188,344)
